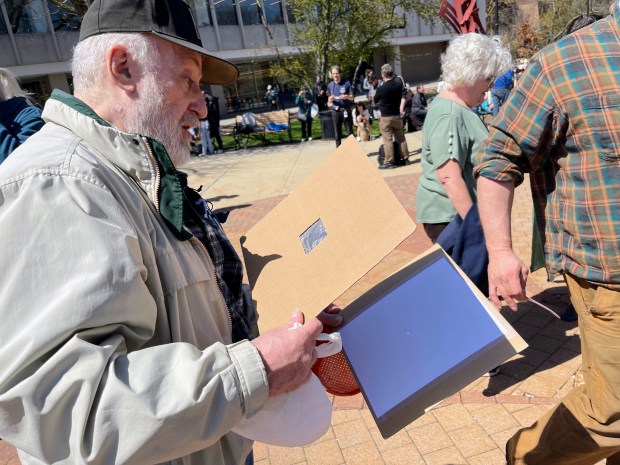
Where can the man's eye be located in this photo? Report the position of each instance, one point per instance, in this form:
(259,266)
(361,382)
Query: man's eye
(191,84)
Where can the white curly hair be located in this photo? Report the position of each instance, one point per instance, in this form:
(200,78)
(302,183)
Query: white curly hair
(473,56)
(9,86)
(89,57)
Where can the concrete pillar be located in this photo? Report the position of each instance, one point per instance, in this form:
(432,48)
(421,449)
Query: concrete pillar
(397,67)
(59,81)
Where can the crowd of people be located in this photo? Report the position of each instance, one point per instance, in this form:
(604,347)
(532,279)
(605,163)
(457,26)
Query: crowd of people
(159,329)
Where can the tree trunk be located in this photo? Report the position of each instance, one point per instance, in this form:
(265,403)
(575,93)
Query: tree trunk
(355,75)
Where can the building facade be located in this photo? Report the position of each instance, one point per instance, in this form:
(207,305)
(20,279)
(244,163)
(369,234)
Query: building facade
(37,38)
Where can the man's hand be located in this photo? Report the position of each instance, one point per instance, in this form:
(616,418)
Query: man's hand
(288,354)
(507,278)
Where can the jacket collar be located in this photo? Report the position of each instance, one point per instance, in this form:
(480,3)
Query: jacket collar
(143,159)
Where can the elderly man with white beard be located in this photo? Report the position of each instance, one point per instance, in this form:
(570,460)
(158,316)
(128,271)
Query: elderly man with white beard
(124,335)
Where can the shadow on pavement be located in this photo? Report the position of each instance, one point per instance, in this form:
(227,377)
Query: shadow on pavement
(551,342)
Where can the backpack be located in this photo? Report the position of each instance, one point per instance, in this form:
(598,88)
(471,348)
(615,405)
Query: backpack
(398,159)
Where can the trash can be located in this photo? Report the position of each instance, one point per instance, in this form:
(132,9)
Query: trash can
(327,125)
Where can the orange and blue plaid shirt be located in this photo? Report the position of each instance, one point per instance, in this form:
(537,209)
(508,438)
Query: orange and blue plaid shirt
(561,124)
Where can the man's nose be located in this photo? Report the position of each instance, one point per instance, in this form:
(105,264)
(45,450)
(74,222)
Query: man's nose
(199,106)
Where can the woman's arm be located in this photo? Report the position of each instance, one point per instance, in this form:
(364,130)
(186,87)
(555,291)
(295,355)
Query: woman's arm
(452,180)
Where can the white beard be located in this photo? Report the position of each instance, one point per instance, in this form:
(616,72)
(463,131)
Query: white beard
(149,117)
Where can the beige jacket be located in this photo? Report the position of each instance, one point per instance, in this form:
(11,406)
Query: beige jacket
(114,338)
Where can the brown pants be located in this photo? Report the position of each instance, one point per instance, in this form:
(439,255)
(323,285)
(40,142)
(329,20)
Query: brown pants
(584,428)
(393,125)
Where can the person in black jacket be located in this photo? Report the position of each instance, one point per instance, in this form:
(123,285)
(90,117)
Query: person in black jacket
(213,116)
(418,104)
(391,99)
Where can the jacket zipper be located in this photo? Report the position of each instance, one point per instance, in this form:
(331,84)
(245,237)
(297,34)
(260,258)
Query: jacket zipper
(194,239)
(206,254)
(157,173)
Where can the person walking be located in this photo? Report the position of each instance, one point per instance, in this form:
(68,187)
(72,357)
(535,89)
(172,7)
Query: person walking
(304,109)
(390,97)
(271,96)
(502,87)
(206,144)
(452,131)
(125,337)
(319,93)
(213,117)
(560,125)
(340,95)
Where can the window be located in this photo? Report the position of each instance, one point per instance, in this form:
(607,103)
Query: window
(27,16)
(202,11)
(290,15)
(63,15)
(249,12)
(3,29)
(273,11)
(225,12)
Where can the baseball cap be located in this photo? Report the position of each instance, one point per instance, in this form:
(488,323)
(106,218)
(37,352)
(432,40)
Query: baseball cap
(171,20)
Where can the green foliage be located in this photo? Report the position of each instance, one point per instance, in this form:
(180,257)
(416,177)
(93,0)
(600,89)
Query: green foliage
(527,41)
(332,32)
(556,15)
(555,19)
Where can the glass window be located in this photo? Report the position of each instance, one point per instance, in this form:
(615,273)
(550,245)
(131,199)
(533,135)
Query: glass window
(225,12)
(3,29)
(202,12)
(64,17)
(289,14)
(249,11)
(249,90)
(273,11)
(27,16)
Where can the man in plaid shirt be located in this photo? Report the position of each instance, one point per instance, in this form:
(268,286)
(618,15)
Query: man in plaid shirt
(562,125)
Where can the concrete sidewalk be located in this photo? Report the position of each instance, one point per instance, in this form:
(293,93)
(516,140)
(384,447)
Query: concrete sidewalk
(472,426)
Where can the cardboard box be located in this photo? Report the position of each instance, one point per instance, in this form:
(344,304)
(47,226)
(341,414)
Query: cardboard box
(420,336)
(326,235)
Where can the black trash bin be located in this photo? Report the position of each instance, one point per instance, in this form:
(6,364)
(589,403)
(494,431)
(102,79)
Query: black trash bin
(327,125)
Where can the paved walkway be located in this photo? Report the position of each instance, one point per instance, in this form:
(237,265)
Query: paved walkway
(472,426)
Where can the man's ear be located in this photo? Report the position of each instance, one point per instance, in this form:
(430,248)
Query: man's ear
(122,69)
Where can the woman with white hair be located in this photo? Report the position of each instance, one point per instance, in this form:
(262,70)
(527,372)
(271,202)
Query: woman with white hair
(452,131)
(19,119)
(451,135)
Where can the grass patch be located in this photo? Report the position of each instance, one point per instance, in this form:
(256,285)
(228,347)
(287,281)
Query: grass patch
(282,137)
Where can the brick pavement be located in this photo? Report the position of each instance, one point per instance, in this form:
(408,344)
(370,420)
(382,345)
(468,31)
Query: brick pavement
(472,426)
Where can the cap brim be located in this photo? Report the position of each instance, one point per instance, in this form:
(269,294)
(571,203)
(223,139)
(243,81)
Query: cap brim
(214,70)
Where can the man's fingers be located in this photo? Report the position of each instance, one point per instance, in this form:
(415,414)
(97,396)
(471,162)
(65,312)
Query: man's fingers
(512,303)
(494,297)
(332,308)
(296,317)
(314,327)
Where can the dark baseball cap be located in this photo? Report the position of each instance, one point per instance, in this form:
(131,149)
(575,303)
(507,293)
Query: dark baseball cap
(171,20)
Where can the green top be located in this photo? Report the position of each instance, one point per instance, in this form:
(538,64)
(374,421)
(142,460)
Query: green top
(451,131)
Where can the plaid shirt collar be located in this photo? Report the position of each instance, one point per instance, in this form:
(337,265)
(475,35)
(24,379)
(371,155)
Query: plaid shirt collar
(205,226)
